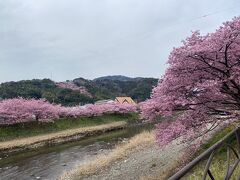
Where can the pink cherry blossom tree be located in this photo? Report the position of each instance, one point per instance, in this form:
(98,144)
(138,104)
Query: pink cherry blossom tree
(20,110)
(70,85)
(203,78)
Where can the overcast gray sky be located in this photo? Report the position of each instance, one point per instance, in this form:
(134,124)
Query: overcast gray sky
(66,39)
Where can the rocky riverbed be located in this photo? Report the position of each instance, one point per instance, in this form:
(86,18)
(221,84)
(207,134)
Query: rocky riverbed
(144,163)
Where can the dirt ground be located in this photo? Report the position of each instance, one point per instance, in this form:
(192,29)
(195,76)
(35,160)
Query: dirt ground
(148,163)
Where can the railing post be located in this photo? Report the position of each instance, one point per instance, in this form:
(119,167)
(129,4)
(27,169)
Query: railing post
(237,132)
(209,152)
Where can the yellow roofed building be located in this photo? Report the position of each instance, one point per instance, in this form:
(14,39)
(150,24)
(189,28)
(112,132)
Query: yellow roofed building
(127,100)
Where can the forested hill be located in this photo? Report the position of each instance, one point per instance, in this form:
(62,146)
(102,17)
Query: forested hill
(80,90)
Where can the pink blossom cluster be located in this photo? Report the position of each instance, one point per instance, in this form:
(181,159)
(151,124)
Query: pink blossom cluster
(74,87)
(203,78)
(20,110)
(97,109)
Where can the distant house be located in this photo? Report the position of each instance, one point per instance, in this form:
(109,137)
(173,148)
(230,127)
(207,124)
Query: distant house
(127,100)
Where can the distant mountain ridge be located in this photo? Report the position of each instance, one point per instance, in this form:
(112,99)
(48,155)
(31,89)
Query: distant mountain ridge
(115,78)
(80,90)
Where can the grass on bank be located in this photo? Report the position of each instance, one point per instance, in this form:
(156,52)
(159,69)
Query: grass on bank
(9,132)
(34,142)
(219,163)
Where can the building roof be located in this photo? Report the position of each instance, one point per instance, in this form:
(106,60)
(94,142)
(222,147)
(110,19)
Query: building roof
(122,100)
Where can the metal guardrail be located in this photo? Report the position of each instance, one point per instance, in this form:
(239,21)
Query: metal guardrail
(209,153)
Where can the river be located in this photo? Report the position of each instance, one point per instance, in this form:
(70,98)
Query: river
(49,162)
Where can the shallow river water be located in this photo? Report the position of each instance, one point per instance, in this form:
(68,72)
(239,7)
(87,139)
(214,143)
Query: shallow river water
(48,163)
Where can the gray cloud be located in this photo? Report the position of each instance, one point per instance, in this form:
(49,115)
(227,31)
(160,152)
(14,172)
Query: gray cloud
(90,38)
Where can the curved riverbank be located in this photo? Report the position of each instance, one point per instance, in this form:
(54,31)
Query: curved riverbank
(101,162)
(34,142)
(138,158)
(50,162)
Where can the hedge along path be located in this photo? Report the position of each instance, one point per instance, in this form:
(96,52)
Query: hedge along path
(58,137)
